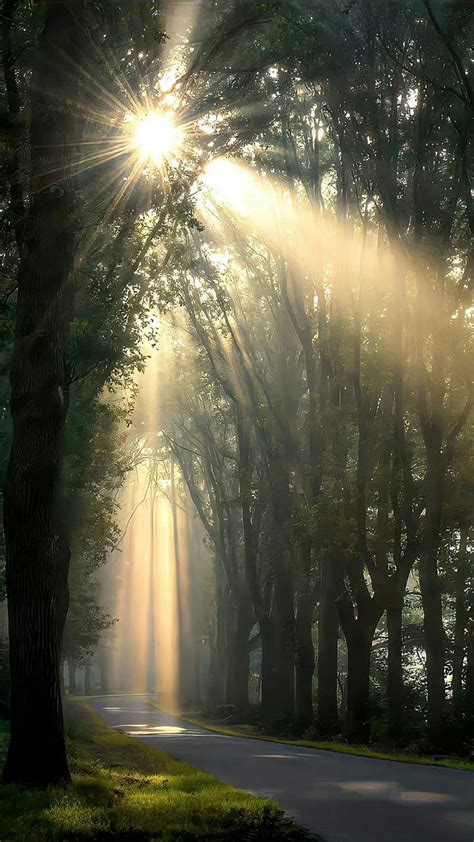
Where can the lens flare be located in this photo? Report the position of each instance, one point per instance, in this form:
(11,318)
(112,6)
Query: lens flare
(156,137)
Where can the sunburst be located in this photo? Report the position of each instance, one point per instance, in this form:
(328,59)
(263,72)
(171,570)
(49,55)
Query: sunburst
(156,137)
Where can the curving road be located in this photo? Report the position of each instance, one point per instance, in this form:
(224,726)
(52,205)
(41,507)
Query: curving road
(342,797)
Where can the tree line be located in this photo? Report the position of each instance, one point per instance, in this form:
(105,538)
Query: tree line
(323,422)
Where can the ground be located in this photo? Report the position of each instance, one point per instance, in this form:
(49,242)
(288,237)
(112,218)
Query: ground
(124,790)
(343,797)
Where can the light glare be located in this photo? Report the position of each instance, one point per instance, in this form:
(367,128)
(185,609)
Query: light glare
(156,137)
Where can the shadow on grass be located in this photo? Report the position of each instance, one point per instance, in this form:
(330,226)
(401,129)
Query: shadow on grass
(125,790)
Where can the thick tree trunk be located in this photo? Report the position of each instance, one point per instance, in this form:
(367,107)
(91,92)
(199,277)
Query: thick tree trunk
(35,574)
(87,680)
(304,660)
(282,613)
(182,676)
(430,587)
(268,670)
(239,625)
(430,584)
(460,621)
(327,648)
(469,690)
(358,684)
(191,688)
(217,664)
(277,632)
(434,644)
(395,685)
(284,630)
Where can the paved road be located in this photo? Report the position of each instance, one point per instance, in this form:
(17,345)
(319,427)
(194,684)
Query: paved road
(344,798)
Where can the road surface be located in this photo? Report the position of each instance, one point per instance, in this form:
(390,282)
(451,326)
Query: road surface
(342,797)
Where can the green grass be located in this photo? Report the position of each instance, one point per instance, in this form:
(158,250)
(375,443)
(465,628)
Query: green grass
(125,790)
(343,748)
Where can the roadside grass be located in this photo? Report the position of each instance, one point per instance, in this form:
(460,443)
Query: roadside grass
(125,790)
(343,748)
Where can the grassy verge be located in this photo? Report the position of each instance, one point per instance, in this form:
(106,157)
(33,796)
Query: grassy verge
(125,790)
(343,748)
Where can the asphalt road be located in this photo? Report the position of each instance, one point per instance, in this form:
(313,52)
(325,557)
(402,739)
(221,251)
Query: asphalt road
(342,797)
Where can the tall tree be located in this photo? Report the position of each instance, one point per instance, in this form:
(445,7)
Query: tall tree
(36,559)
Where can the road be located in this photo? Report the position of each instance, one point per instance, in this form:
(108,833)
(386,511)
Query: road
(342,797)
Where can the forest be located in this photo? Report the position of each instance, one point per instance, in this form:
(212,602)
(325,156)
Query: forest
(236,372)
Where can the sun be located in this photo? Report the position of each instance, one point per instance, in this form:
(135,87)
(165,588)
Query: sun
(156,137)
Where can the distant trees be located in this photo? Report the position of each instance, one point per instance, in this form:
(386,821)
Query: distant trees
(345,371)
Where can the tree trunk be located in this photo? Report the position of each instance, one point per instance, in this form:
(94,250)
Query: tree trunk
(217,664)
(284,641)
(35,574)
(469,691)
(277,632)
(327,648)
(304,660)
(192,634)
(87,680)
(282,613)
(239,625)
(268,670)
(395,685)
(72,676)
(181,674)
(358,684)
(430,584)
(434,643)
(460,621)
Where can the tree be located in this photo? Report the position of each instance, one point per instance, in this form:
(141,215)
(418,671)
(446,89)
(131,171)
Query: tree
(37,565)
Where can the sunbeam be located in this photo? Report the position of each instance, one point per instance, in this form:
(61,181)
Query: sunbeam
(153,605)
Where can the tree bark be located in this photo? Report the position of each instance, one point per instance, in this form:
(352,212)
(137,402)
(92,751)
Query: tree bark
(282,614)
(434,644)
(192,635)
(304,660)
(277,632)
(358,684)
(239,625)
(469,690)
(395,685)
(268,670)
(35,574)
(284,630)
(217,668)
(430,587)
(460,621)
(327,647)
